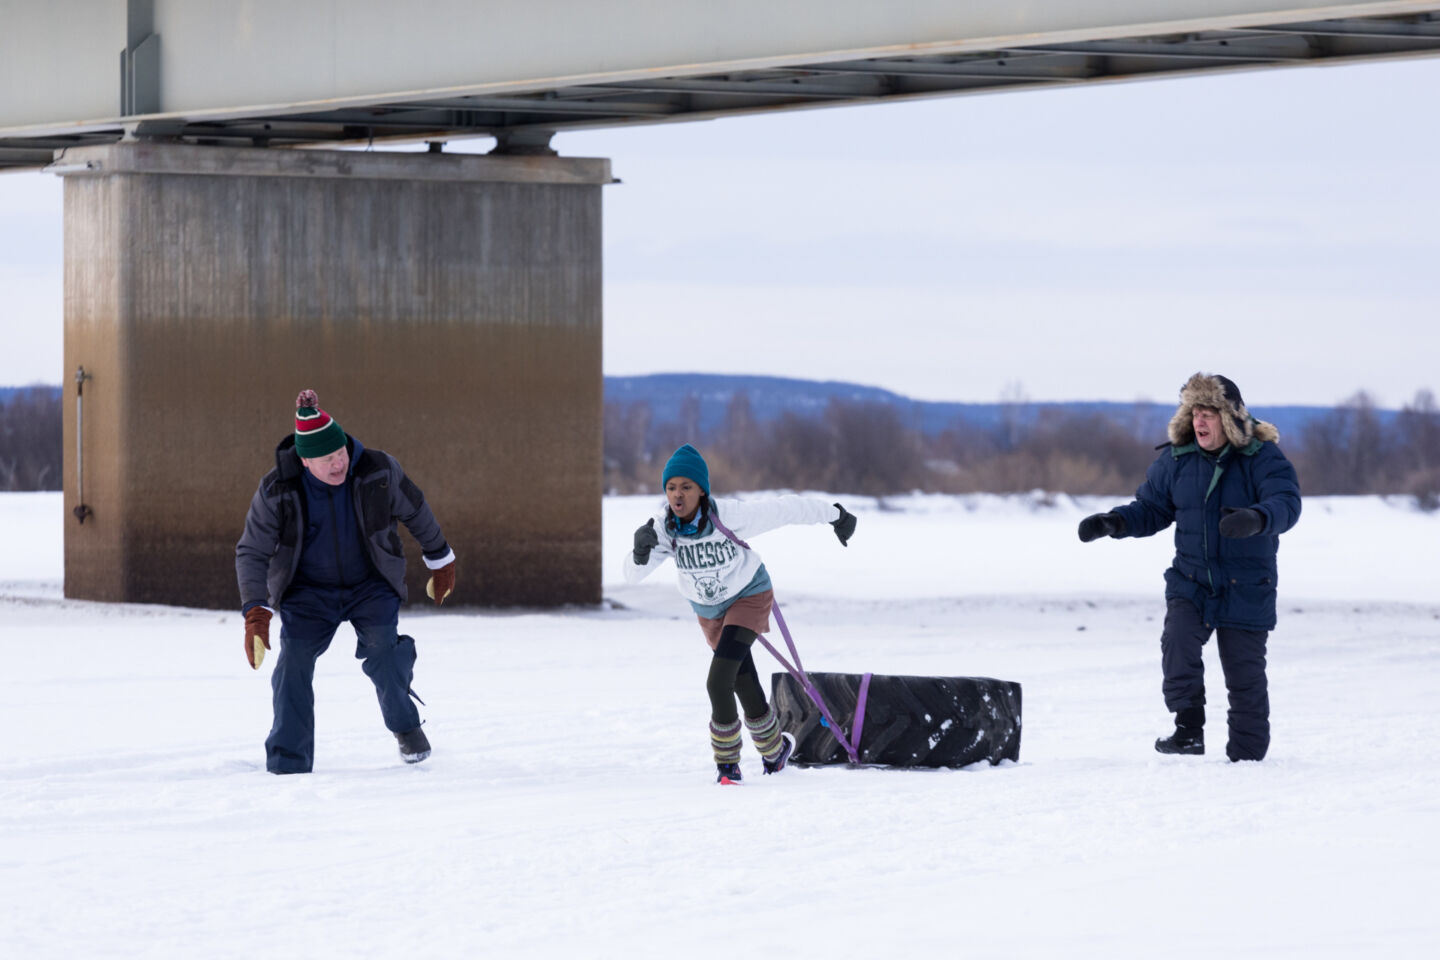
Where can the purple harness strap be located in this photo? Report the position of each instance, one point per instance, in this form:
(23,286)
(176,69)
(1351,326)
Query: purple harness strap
(797,670)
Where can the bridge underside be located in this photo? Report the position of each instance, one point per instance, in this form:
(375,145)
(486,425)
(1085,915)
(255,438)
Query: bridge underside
(447,307)
(523,119)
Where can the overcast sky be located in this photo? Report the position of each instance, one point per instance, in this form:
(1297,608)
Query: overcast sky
(1094,242)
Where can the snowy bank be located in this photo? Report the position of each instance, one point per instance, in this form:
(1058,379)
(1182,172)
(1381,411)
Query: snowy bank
(568,810)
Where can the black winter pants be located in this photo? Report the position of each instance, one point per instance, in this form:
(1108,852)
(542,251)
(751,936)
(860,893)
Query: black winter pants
(1242,657)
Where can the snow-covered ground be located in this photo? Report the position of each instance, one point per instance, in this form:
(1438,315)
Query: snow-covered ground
(569,809)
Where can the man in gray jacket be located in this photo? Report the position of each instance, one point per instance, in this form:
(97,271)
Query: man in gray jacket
(321,547)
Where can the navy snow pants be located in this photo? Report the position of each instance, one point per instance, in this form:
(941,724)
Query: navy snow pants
(1242,657)
(309,618)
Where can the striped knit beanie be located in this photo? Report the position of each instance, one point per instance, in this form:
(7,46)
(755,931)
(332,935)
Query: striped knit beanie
(316,435)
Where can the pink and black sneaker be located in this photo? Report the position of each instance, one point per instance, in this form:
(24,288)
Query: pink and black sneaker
(787,747)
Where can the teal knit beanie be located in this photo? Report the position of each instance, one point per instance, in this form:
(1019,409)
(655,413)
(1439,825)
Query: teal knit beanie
(687,462)
(316,435)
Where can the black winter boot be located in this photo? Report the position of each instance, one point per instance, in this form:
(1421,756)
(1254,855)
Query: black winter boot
(1189,735)
(414,745)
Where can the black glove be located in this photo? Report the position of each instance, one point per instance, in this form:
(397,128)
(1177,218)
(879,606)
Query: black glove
(646,539)
(1099,525)
(1237,522)
(845,526)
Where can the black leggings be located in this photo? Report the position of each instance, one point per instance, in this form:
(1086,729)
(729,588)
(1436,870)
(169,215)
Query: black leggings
(732,674)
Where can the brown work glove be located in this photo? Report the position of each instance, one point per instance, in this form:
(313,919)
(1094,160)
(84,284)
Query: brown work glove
(441,584)
(257,636)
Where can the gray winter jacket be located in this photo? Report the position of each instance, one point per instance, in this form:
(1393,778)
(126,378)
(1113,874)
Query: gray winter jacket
(268,553)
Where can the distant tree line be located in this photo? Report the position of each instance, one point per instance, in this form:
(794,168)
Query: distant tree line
(867,448)
(1349,451)
(30,438)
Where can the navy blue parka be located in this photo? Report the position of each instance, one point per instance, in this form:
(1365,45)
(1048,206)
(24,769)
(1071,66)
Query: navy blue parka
(1231,581)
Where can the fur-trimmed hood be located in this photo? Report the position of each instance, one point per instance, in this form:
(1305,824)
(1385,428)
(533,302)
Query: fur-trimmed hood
(1218,393)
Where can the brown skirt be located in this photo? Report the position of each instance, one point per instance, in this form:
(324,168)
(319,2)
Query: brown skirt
(752,613)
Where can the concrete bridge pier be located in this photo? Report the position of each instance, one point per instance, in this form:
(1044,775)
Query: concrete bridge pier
(446,308)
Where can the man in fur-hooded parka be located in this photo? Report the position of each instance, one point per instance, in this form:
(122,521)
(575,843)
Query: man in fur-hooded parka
(1230,492)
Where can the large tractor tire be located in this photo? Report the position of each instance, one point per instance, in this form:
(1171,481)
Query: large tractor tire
(909,721)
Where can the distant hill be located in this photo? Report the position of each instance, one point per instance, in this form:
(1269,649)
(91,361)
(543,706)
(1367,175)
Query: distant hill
(7,392)
(770,397)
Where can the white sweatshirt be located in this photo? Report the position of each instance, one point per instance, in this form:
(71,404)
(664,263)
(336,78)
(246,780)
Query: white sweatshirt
(711,571)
